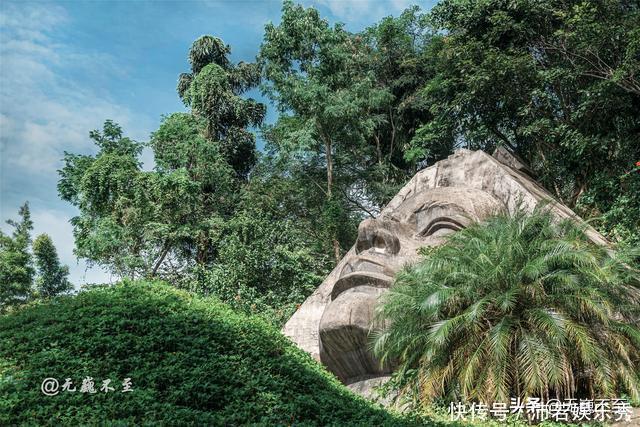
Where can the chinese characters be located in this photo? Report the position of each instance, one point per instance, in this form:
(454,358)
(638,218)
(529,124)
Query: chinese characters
(52,387)
(537,410)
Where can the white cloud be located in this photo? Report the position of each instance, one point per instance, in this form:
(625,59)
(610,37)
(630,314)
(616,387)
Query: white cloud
(32,22)
(48,105)
(44,110)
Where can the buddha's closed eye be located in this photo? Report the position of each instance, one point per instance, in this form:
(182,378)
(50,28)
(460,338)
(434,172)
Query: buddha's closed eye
(440,219)
(441,227)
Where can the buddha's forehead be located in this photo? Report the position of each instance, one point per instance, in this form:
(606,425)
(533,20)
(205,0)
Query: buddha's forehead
(476,204)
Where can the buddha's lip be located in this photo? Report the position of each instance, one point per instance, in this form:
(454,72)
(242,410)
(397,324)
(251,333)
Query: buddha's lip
(360,278)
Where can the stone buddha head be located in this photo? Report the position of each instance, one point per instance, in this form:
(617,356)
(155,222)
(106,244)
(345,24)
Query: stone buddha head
(335,322)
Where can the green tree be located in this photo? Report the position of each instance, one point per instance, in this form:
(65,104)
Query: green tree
(52,277)
(318,77)
(592,39)
(16,270)
(520,306)
(115,203)
(144,223)
(554,81)
(264,266)
(400,57)
(212,89)
(195,190)
(271,257)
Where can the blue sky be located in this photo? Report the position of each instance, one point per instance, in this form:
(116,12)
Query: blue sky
(67,66)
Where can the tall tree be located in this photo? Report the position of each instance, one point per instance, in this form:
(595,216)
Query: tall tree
(115,202)
(400,56)
(212,89)
(167,221)
(317,76)
(16,270)
(52,277)
(555,82)
(196,190)
(139,223)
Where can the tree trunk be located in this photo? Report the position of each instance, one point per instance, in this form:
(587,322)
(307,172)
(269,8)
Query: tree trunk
(327,145)
(556,189)
(328,148)
(378,151)
(163,254)
(393,134)
(581,187)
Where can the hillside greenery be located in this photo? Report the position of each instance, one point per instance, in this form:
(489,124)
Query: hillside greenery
(191,361)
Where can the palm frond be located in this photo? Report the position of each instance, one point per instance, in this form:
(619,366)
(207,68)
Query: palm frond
(521,305)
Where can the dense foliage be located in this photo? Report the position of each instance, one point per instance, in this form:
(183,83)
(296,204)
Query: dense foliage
(190,360)
(316,74)
(349,105)
(16,270)
(359,114)
(19,280)
(520,306)
(213,90)
(263,267)
(114,204)
(401,53)
(141,223)
(557,83)
(193,220)
(52,277)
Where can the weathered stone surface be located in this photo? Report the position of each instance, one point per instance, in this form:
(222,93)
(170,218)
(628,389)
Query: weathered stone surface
(334,322)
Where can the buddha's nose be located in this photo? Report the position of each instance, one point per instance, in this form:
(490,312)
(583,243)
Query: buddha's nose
(378,236)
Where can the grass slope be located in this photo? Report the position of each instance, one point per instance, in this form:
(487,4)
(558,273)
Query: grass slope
(191,360)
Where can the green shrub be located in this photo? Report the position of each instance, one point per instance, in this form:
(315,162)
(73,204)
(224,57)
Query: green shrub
(520,306)
(191,360)
(262,267)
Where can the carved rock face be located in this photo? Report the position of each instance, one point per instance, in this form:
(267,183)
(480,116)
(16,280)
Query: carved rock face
(334,322)
(384,245)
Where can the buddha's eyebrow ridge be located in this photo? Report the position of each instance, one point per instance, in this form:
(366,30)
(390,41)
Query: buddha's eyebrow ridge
(434,204)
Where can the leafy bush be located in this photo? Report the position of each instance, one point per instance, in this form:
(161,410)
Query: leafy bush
(519,306)
(191,361)
(263,266)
